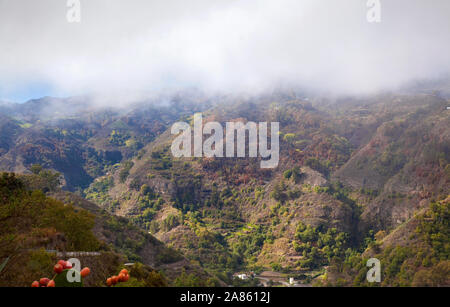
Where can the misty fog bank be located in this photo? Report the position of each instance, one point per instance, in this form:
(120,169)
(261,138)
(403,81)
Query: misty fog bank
(128,51)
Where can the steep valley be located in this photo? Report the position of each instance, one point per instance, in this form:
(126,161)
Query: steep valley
(356,178)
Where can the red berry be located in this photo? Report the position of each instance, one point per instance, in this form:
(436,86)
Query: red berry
(58,268)
(62,263)
(67,265)
(126,278)
(122,277)
(35,284)
(109,282)
(51,284)
(44,281)
(124,271)
(85,272)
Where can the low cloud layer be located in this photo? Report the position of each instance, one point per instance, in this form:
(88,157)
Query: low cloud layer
(129,49)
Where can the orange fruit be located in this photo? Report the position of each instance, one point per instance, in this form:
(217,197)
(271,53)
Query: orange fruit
(85,272)
(62,263)
(35,284)
(123,277)
(109,282)
(115,279)
(51,284)
(58,268)
(44,281)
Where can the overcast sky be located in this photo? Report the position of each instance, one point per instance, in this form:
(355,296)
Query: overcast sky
(132,48)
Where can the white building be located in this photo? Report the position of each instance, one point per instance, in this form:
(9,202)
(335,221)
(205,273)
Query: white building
(243,276)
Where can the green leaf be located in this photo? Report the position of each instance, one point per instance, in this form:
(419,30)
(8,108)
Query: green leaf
(61,280)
